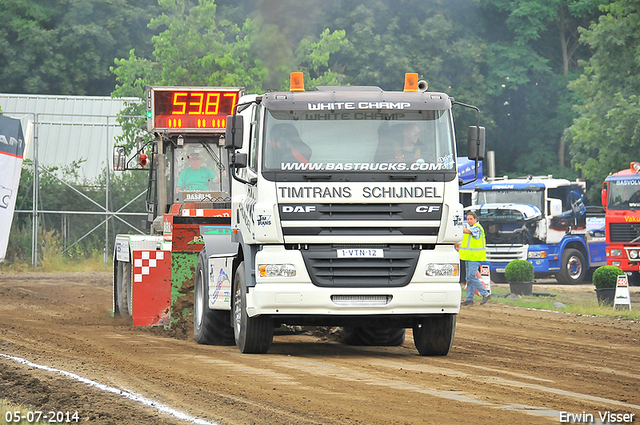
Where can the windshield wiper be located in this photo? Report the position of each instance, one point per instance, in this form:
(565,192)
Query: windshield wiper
(402,177)
(317,177)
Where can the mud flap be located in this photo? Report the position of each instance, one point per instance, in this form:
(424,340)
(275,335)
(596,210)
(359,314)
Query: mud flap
(151,288)
(220,253)
(220,271)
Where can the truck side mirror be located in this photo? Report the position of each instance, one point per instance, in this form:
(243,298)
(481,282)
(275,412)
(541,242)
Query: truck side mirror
(604,194)
(476,143)
(233,136)
(555,207)
(239,160)
(119,158)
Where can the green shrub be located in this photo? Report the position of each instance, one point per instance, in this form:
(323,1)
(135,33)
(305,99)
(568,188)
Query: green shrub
(519,271)
(606,276)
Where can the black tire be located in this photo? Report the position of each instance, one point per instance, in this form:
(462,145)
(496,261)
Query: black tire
(634,279)
(573,267)
(123,289)
(388,336)
(433,336)
(498,278)
(252,334)
(211,327)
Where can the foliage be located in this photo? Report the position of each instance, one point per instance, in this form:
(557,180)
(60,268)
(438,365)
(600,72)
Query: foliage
(519,271)
(66,46)
(514,60)
(314,57)
(529,67)
(606,276)
(196,48)
(607,130)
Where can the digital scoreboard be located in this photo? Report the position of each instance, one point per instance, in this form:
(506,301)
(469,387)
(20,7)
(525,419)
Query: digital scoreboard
(190,109)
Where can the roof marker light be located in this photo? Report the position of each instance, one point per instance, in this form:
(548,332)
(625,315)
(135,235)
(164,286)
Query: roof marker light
(635,166)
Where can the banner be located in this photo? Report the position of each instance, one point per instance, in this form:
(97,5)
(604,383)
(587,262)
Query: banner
(12,150)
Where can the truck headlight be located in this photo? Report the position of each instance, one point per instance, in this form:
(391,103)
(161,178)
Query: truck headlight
(446,269)
(616,252)
(537,254)
(275,270)
(633,254)
(615,263)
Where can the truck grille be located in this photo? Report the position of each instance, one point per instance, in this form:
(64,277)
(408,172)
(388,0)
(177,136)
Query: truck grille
(624,232)
(360,219)
(506,253)
(395,269)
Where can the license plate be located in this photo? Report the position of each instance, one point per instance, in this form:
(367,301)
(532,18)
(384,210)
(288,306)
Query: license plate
(499,270)
(361,253)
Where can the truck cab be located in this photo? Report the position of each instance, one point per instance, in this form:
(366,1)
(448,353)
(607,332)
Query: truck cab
(345,212)
(621,199)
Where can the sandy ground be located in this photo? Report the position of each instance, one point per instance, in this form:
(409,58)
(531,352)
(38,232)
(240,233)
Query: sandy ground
(507,365)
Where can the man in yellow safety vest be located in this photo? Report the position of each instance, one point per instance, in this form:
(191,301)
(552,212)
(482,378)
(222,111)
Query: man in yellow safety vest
(473,252)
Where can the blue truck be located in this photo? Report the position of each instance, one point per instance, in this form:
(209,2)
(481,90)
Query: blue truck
(543,220)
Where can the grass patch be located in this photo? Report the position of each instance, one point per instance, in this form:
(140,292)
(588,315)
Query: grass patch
(577,302)
(59,263)
(11,413)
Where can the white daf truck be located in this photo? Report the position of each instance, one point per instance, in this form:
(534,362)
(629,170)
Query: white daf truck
(331,226)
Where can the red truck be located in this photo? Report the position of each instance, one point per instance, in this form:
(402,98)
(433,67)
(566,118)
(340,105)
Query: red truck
(621,200)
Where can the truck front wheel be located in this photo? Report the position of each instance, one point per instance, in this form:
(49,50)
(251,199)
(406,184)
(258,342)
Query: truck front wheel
(433,336)
(211,327)
(573,267)
(252,334)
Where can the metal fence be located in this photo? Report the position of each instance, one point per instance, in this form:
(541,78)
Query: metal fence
(70,191)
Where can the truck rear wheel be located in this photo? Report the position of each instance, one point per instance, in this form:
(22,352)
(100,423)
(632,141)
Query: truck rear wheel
(123,289)
(381,336)
(433,336)
(573,267)
(252,334)
(210,326)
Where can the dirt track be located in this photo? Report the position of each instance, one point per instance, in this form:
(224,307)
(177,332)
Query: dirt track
(506,366)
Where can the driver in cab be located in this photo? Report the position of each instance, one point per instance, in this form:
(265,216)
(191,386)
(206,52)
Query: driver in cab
(196,177)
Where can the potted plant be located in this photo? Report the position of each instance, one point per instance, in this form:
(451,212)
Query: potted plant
(605,279)
(519,274)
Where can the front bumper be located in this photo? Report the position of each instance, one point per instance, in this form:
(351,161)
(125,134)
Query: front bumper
(297,295)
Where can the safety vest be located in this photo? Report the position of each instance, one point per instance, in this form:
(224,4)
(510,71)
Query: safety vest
(473,249)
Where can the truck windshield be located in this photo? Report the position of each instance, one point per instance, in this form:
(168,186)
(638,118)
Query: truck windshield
(624,194)
(357,141)
(524,196)
(200,170)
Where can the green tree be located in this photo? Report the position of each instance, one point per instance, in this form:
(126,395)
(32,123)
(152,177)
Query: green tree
(606,134)
(387,39)
(196,48)
(529,66)
(67,46)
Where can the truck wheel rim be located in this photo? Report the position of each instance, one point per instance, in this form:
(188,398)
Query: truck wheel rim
(574,267)
(237,310)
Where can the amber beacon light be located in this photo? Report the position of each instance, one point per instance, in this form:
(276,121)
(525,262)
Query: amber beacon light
(296,81)
(411,81)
